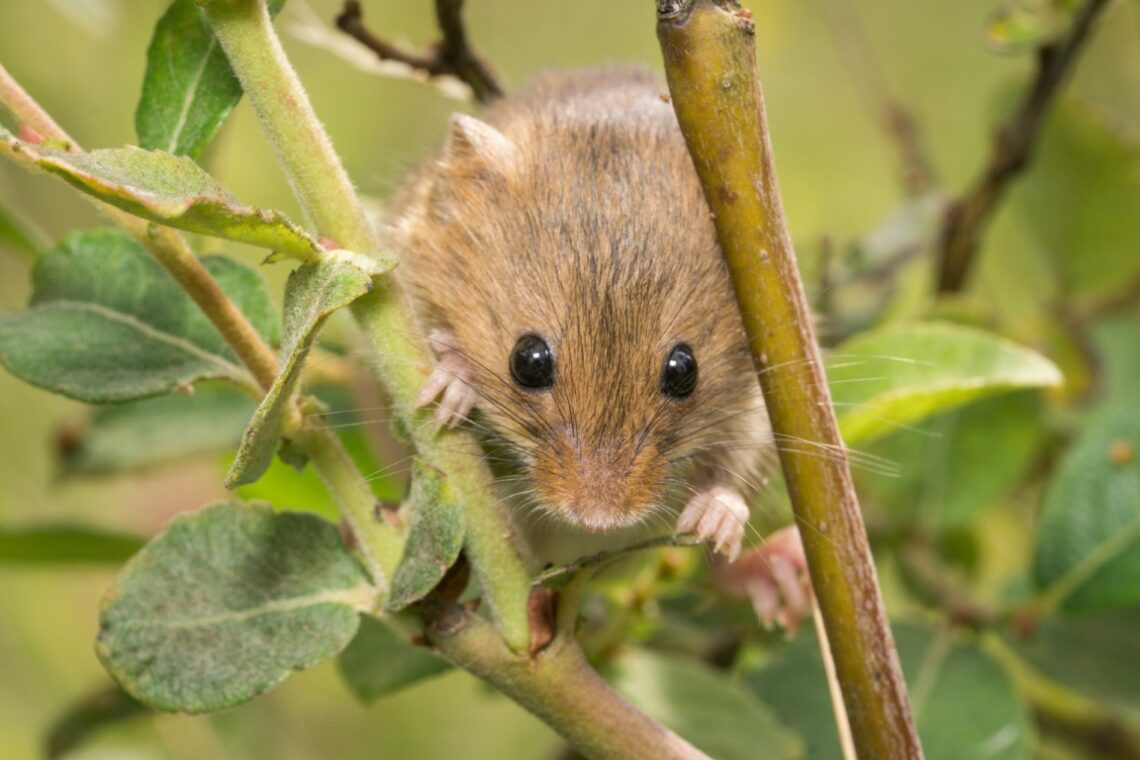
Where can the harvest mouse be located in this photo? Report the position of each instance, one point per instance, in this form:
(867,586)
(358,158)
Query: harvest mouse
(561,255)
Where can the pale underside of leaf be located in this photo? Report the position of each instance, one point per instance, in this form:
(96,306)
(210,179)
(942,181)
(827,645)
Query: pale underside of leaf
(170,190)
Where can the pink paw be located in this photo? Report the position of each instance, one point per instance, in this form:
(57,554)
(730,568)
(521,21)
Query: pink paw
(771,573)
(452,378)
(716,515)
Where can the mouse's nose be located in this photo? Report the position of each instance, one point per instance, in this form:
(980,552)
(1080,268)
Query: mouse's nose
(599,487)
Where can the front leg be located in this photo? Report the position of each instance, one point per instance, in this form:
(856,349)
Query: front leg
(452,378)
(718,515)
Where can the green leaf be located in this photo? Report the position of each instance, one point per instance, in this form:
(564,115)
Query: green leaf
(227,603)
(887,379)
(189,87)
(1087,557)
(1089,654)
(106,323)
(435,536)
(94,712)
(378,662)
(964,703)
(1078,201)
(958,463)
(142,434)
(704,706)
(170,190)
(1022,25)
(65,545)
(313,292)
(21,236)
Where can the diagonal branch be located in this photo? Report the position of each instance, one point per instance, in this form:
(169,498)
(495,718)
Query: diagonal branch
(967,217)
(451,56)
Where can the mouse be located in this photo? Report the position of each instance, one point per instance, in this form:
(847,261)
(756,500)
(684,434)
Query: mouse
(560,256)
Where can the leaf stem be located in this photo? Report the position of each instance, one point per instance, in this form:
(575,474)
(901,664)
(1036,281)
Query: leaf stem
(167,246)
(322,187)
(380,544)
(710,63)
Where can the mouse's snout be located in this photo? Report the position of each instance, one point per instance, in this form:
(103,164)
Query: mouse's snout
(600,487)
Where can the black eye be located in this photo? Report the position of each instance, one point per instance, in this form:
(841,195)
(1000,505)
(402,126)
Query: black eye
(679,376)
(532,363)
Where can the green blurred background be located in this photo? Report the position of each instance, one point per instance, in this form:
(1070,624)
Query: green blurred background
(840,173)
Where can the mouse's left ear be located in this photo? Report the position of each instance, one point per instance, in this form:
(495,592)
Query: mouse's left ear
(476,145)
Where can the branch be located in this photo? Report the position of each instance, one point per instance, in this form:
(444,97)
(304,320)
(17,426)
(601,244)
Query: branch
(451,56)
(167,246)
(559,687)
(967,217)
(710,64)
(401,360)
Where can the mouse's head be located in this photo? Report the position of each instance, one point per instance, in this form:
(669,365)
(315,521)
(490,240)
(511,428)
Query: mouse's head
(578,270)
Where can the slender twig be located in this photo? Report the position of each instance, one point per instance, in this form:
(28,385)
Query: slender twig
(842,724)
(451,56)
(602,558)
(898,120)
(710,64)
(167,246)
(968,216)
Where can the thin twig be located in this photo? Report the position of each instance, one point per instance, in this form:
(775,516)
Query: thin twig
(842,724)
(451,56)
(967,217)
(602,558)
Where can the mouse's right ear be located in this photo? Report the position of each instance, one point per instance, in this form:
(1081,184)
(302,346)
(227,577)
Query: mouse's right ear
(476,146)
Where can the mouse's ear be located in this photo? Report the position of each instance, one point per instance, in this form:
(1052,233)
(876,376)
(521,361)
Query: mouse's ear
(475,144)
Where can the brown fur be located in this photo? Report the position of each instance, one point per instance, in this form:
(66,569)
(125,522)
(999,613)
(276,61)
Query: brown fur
(590,229)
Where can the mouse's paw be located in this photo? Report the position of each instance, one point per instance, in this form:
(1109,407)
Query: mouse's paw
(717,515)
(451,378)
(774,577)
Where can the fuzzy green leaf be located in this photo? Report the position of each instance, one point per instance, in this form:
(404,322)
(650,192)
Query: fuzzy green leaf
(92,713)
(957,464)
(1089,654)
(886,379)
(964,703)
(1088,543)
(227,603)
(435,536)
(170,190)
(142,434)
(378,662)
(107,324)
(189,87)
(65,545)
(715,714)
(313,292)
(1079,205)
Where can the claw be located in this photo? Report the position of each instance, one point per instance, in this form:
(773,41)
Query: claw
(451,378)
(716,515)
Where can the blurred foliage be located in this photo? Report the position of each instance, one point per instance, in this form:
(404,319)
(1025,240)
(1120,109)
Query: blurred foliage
(1004,510)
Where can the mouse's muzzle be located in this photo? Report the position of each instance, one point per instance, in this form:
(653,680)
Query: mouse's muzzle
(599,487)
